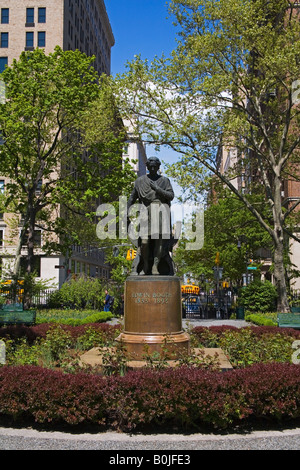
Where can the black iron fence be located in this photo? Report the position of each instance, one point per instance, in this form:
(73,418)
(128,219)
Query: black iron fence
(41,299)
(207,306)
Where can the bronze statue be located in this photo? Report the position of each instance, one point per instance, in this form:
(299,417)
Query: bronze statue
(154,193)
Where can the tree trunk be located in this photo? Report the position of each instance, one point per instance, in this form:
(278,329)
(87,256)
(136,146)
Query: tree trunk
(18,254)
(30,261)
(280,279)
(279,269)
(26,237)
(30,244)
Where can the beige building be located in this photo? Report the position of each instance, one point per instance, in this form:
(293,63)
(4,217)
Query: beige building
(71,24)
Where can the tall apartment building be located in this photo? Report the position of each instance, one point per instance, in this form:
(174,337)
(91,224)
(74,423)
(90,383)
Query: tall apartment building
(71,24)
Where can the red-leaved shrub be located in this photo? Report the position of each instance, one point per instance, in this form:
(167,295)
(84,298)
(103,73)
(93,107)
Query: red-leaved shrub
(187,398)
(31,333)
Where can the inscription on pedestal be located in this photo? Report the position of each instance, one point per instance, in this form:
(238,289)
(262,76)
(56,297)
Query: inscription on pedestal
(153,313)
(156,297)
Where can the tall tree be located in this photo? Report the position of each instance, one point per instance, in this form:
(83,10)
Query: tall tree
(226,223)
(231,81)
(53,170)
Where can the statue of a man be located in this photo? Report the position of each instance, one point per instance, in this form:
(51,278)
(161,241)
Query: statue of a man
(154,193)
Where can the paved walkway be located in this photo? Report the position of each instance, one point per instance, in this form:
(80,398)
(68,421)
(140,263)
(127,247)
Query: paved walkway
(30,439)
(192,322)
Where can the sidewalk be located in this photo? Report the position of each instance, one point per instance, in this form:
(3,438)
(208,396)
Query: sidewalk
(32,439)
(192,322)
(188,323)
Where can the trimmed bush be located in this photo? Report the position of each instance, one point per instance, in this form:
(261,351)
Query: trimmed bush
(184,398)
(260,320)
(258,297)
(74,318)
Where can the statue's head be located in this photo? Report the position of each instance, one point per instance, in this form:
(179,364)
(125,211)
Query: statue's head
(153,161)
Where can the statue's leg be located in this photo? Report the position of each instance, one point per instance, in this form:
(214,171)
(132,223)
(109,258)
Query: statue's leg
(158,253)
(145,252)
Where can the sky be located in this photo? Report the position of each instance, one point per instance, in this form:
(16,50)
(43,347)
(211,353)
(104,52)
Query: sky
(142,27)
(139,27)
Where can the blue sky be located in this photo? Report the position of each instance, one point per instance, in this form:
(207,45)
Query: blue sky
(139,27)
(142,27)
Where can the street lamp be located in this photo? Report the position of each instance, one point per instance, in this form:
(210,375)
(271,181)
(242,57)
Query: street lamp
(218,274)
(243,240)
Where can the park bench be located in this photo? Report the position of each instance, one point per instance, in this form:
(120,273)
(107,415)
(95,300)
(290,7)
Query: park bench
(288,320)
(14,314)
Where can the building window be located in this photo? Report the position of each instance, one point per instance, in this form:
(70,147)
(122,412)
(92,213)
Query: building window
(42,15)
(3,63)
(29,17)
(1,237)
(29,40)
(4,15)
(41,39)
(4,39)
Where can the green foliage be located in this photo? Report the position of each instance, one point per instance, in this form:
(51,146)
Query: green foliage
(72,317)
(247,346)
(244,348)
(50,154)
(236,102)
(258,297)
(114,360)
(92,338)
(20,352)
(79,293)
(57,341)
(259,319)
(225,222)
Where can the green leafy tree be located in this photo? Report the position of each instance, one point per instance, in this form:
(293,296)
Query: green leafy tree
(232,82)
(57,173)
(230,231)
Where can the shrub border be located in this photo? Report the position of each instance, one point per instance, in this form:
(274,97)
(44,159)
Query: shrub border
(183,398)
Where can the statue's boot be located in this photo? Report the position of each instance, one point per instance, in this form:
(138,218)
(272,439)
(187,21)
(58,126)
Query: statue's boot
(155,271)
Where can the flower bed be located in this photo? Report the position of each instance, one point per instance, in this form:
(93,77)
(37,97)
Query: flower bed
(264,385)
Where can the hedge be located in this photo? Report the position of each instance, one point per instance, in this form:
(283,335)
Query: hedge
(260,320)
(184,398)
(32,333)
(96,317)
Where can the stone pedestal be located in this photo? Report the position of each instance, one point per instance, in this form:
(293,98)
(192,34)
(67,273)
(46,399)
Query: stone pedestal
(153,317)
